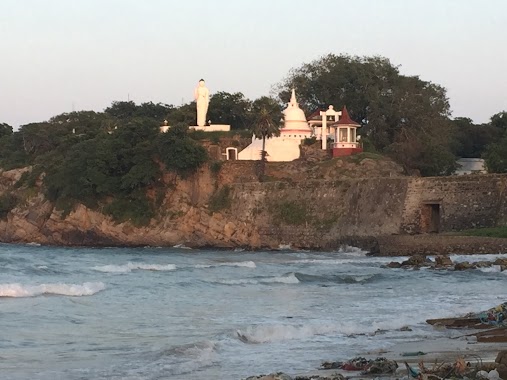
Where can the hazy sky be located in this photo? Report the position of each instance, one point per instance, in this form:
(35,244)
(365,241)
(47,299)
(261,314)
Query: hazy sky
(60,55)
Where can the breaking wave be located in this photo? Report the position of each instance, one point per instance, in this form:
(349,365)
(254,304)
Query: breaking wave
(16,290)
(289,278)
(187,358)
(129,267)
(491,269)
(280,332)
(338,279)
(243,264)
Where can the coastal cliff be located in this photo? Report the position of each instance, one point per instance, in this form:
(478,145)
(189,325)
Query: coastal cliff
(314,206)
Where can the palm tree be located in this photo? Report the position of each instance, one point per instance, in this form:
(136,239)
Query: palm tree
(267,114)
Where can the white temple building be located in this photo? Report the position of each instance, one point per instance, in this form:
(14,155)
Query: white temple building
(335,125)
(286,146)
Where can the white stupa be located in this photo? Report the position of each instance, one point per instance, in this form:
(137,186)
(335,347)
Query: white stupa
(286,146)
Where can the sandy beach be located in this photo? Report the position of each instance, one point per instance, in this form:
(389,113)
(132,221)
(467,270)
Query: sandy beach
(432,352)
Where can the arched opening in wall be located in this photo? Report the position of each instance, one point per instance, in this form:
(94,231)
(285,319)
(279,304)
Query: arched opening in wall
(430,217)
(232,154)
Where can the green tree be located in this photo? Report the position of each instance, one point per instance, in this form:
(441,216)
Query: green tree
(122,109)
(126,110)
(180,153)
(396,112)
(184,115)
(472,139)
(5,129)
(499,120)
(267,116)
(496,156)
(232,109)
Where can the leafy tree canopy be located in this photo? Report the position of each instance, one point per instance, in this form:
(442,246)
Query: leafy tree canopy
(397,112)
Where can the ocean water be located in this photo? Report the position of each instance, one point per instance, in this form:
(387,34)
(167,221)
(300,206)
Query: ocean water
(148,313)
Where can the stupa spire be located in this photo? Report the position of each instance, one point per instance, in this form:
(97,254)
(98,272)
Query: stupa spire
(293,100)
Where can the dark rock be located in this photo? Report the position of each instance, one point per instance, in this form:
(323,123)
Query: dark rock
(416,260)
(394,264)
(502,371)
(501,262)
(443,261)
(331,365)
(501,358)
(483,264)
(272,376)
(465,265)
(334,376)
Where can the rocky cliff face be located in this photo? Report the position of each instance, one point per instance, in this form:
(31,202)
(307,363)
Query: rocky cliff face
(307,205)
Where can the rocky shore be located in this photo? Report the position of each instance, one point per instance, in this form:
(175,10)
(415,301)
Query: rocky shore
(466,356)
(462,358)
(445,262)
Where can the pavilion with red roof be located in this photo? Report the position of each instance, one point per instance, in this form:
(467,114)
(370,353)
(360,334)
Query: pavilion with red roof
(345,136)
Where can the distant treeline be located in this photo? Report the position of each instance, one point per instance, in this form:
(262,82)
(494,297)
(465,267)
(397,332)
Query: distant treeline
(119,153)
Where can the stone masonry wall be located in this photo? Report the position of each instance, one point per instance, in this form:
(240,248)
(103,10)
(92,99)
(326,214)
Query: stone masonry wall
(465,202)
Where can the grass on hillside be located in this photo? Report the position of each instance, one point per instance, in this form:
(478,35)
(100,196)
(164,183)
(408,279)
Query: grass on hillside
(498,232)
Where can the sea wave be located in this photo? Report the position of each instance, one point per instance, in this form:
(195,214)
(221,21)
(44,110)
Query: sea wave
(477,257)
(338,279)
(289,278)
(188,358)
(352,251)
(243,264)
(280,332)
(491,269)
(181,246)
(129,267)
(341,261)
(17,290)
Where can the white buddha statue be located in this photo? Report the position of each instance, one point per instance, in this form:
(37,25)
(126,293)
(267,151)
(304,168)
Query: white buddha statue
(201,95)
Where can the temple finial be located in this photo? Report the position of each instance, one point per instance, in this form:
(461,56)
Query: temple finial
(293,100)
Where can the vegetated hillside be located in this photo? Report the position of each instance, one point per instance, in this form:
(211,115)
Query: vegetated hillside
(193,209)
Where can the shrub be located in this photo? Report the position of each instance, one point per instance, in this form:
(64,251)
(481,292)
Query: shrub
(215,167)
(291,212)
(221,199)
(7,202)
(138,211)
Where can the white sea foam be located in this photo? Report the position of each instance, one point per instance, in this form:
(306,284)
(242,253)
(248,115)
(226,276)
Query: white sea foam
(474,258)
(181,246)
(358,260)
(280,332)
(352,251)
(189,358)
(287,279)
(16,290)
(129,267)
(491,269)
(244,264)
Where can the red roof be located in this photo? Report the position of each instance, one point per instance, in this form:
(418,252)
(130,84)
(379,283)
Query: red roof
(345,118)
(315,115)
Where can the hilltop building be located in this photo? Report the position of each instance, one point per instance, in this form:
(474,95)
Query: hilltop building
(286,146)
(335,125)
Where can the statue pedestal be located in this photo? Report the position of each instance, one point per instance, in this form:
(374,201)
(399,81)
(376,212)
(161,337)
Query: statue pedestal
(212,128)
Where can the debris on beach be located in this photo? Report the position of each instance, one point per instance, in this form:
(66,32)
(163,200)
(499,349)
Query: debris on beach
(461,369)
(494,319)
(375,366)
(284,376)
(381,367)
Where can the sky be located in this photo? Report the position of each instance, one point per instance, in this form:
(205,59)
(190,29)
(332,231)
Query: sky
(62,55)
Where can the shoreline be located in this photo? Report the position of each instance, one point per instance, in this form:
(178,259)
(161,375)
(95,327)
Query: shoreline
(436,351)
(377,246)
